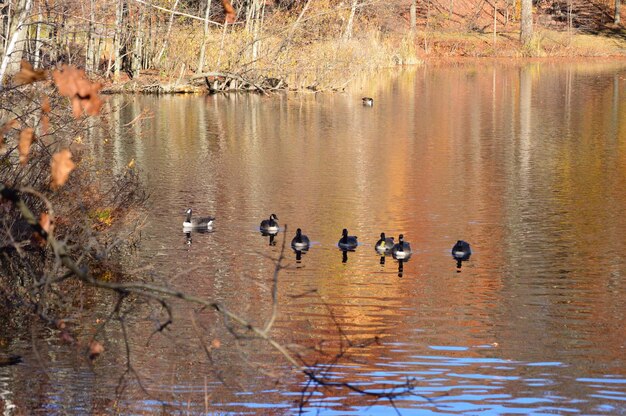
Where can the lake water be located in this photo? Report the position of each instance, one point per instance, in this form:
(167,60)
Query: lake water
(526,162)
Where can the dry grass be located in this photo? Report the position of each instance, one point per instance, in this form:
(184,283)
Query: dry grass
(313,53)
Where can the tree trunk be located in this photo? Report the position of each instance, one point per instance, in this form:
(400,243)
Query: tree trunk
(348,32)
(167,35)
(413,14)
(12,53)
(254,20)
(117,43)
(618,5)
(137,57)
(204,37)
(495,22)
(37,58)
(90,56)
(526,29)
(5,15)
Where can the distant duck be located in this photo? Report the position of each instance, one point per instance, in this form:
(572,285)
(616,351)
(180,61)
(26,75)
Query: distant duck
(461,250)
(402,250)
(347,242)
(385,244)
(270,226)
(300,242)
(202,223)
(368,101)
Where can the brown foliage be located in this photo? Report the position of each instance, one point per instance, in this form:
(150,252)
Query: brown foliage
(13,123)
(45,222)
(26,138)
(45,109)
(61,166)
(28,75)
(229,12)
(95,349)
(72,82)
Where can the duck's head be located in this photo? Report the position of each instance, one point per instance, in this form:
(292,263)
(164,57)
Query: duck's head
(382,236)
(298,232)
(401,237)
(188,211)
(344,232)
(273,217)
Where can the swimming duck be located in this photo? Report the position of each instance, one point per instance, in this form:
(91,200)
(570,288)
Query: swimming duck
(270,226)
(300,241)
(384,245)
(202,223)
(461,250)
(402,250)
(347,242)
(368,101)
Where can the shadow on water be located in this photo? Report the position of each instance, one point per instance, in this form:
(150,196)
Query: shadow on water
(271,237)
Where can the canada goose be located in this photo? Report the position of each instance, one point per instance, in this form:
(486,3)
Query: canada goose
(203,223)
(461,250)
(402,250)
(368,101)
(270,226)
(347,242)
(384,245)
(10,359)
(300,241)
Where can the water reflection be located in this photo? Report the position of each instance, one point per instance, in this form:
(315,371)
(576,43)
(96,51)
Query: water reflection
(528,162)
(270,236)
(188,233)
(344,255)
(401,265)
(299,254)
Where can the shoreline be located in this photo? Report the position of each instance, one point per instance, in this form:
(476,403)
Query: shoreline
(149,85)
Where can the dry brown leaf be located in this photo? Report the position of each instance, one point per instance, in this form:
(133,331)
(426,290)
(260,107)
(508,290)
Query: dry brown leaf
(13,123)
(73,83)
(45,104)
(45,222)
(61,167)
(45,109)
(95,349)
(26,139)
(4,129)
(66,337)
(229,12)
(45,124)
(28,75)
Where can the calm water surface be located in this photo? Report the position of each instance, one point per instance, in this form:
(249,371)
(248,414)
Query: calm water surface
(526,162)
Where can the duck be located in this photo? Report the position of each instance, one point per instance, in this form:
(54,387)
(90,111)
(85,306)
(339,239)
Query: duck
(368,101)
(402,250)
(461,250)
(202,223)
(300,241)
(384,245)
(347,242)
(270,226)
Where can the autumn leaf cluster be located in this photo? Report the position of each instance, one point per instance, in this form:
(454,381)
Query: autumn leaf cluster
(84,97)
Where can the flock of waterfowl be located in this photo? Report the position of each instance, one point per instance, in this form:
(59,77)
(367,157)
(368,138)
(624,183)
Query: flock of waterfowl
(400,251)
